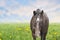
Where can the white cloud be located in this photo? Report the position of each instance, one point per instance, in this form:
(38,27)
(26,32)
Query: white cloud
(55,20)
(48,7)
(2,2)
(0,12)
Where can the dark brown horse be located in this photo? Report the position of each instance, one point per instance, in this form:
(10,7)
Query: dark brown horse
(39,24)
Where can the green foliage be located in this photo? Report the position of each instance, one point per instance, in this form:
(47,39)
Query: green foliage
(22,31)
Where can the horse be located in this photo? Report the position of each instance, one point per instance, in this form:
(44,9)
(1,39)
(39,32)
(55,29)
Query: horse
(39,24)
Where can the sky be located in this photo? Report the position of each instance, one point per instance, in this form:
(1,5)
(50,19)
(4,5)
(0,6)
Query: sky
(22,10)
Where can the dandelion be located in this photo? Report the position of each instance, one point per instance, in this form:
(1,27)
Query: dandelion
(10,36)
(0,39)
(55,33)
(27,29)
(18,29)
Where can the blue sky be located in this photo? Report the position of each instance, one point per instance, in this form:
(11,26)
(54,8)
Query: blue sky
(22,10)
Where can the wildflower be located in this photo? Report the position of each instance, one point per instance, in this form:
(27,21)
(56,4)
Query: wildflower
(10,36)
(18,29)
(27,29)
(0,39)
(55,33)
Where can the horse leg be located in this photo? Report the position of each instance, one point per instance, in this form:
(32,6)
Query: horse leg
(34,38)
(33,35)
(43,36)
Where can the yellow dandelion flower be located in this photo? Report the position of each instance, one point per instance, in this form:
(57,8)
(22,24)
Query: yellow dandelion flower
(10,36)
(0,39)
(18,29)
(27,29)
(55,33)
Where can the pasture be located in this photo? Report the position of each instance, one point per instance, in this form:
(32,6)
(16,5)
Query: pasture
(21,31)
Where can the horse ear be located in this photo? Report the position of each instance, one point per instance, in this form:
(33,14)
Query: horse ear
(34,12)
(42,12)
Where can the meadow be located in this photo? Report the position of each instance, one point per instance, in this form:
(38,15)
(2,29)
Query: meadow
(21,31)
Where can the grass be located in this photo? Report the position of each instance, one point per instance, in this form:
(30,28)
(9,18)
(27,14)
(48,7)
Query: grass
(22,32)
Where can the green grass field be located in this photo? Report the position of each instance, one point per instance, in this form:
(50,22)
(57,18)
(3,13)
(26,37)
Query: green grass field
(22,31)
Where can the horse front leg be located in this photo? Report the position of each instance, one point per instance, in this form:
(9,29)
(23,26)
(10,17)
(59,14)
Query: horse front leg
(33,35)
(43,36)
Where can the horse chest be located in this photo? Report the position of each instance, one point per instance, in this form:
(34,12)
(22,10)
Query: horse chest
(37,30)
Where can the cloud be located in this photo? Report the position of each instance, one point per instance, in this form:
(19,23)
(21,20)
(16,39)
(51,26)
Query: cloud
(2,2)
(25,12)
(56,19)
